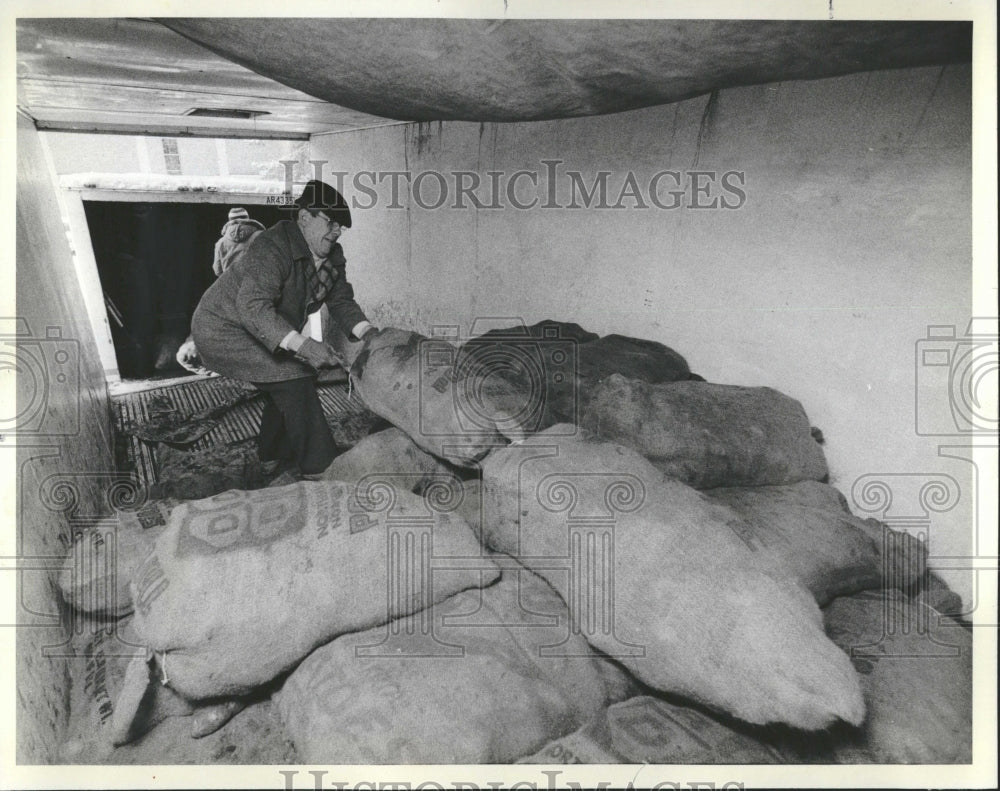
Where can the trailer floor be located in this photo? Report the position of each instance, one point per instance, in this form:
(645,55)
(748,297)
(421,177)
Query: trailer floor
(345,413)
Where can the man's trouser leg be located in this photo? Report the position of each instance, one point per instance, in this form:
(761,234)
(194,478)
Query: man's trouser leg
(293,427)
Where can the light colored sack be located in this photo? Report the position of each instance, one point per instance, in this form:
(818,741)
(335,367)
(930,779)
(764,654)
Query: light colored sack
(915,668)
(102,560)
(242,585)
(390,452)
(455,412)
(486,676)
(708,435)
(102,652)
(163,728)
(667,582)
(470,507)
(916,672)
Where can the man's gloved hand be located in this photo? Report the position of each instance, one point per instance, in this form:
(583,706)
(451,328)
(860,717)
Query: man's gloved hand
(318,355)
(368,333)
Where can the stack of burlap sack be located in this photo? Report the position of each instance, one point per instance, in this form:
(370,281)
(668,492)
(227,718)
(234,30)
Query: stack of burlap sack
(492,579)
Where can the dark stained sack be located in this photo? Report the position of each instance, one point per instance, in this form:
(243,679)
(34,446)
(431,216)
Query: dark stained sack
(666,581)
(936,594)
(543,330)
(485,676)
(242,585)
(808,531)
(389,452)
(708,435)
(555,365)
(916,673)
(539,364)
(454,412)
(102,560)
(904,561)
(807,535)
(634,358)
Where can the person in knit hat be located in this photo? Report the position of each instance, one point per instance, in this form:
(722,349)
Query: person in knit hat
(237,233)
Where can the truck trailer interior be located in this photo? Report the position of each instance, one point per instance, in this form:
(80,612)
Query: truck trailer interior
(786,204)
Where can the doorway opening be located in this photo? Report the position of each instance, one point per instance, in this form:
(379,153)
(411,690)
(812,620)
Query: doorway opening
(154,261)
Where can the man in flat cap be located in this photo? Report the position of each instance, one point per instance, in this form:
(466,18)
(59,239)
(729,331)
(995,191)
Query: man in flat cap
(260,323)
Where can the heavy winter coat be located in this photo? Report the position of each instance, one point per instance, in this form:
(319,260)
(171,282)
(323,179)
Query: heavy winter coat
(236,236)
(241,320)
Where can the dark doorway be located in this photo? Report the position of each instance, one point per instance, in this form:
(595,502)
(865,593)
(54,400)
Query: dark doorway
(155,262)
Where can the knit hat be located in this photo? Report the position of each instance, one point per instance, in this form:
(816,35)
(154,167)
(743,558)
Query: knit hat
(238,213)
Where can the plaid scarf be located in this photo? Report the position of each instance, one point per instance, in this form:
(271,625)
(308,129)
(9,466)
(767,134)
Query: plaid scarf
(320,280)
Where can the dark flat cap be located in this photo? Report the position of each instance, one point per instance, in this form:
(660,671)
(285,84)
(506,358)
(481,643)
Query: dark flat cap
(320,196)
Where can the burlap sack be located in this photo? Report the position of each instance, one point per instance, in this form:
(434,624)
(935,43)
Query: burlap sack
(666,581)
(805,534)
(555,366)
(541,363)
(904,559)
(102,560)
(708,435)
(645,729)
(242,585)
(808,531)
(486,676)
(254,736)
(452,411)
(916,672)
(470,508)
(389,452)
(100,653)
(163,724)
(633,358)
(936,594)
(544,329)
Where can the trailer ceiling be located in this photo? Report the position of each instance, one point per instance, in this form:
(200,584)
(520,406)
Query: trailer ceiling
(306,76)
(138,77)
